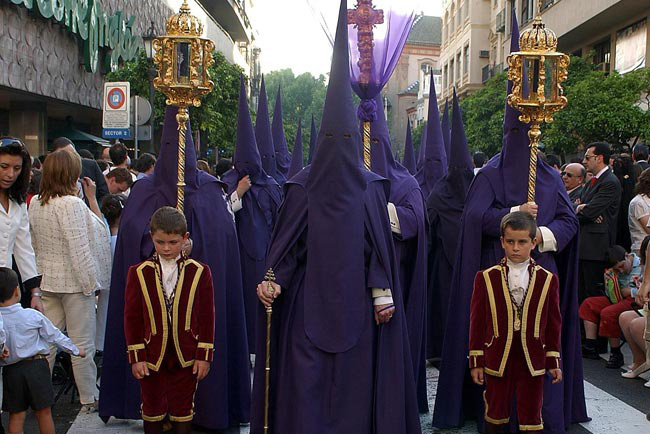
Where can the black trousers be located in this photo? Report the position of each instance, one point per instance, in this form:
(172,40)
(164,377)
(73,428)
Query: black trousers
(591,282)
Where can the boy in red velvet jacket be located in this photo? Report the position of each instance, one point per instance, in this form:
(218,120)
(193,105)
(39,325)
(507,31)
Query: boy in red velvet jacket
(169,325)
(515,326)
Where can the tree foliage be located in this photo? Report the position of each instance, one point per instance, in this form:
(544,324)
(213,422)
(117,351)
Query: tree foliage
(609,107)
(302,97)
(215,119)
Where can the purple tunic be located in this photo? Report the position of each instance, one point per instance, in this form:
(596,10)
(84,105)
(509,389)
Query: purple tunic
(500,185)
(223,398)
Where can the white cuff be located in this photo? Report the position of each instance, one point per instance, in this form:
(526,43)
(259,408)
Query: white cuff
(394,220)
(382,296)
(235,202)
(515,208)
(548,243)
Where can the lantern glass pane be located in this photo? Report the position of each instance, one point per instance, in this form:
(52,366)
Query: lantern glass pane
(530,79)
(183,51)
(199,68)
(550,82)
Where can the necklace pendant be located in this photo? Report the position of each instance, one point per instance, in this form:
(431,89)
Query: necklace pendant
(517,323)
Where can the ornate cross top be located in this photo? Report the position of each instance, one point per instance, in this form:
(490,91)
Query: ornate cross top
(365,17)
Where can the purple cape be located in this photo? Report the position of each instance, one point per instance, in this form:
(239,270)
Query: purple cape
(223,398)
(445,208)
(434,159)
(333,370)
(264,138)
(410,244)
(256,219)
(296,156)
(409,153)
(500,185)
(312,140)
(282,158)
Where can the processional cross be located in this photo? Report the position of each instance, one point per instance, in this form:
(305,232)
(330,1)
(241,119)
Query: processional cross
(365,17)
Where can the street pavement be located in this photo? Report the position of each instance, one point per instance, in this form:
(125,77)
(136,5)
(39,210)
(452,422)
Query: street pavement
(615,404)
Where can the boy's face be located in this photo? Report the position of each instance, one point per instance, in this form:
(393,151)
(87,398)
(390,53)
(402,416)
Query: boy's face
(168,246)
(517,244)
(623,266)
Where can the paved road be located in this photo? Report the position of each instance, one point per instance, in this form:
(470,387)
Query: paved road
(616,405)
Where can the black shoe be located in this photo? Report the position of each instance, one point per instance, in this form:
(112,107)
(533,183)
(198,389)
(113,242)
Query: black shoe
(590,353)
(615,361)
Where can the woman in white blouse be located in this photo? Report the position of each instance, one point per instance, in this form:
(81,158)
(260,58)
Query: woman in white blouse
(639,212)
(15,168)
(74,256)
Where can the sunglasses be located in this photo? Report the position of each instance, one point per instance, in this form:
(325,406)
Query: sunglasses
(567,174)
(10,141)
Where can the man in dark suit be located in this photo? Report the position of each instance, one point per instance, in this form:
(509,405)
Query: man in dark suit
(597,215)
(640,157)
(89,168)
(573,177)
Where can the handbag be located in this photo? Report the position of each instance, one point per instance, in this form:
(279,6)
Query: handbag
(612,288)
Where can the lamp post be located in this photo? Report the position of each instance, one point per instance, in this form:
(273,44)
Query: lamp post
(148,48)
(537,72)
(183,59)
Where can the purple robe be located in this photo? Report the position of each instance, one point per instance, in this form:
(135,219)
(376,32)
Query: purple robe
(500,185)
(256,219)
(410,245)
(223,397)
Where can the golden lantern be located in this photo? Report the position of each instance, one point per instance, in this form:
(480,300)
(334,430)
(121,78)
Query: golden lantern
(183,59)
(537,72)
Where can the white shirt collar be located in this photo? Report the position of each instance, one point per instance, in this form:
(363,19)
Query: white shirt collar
(518,267)
(574,189)
(601,171)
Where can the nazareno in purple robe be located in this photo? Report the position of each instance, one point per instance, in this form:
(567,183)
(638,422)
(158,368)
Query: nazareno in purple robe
(333,371)
(256,219)
(264,138)
(409,154)
(444,210)
(499,186)
(410,244)
(223,397)
(433,164)
(282,157)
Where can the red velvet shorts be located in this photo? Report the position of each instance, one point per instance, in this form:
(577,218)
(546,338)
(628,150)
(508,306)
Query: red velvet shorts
(168,391)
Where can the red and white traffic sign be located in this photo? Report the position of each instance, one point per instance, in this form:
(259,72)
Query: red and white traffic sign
(116,113)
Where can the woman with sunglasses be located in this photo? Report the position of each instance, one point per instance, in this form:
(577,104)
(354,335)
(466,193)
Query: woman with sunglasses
(15,167)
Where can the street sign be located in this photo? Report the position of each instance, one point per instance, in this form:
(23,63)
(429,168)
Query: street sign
(140,110)
(116,113)
(144,132)
(116,133)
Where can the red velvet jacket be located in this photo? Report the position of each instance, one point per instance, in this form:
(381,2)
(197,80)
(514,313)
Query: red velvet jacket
(146,324)
(492,321)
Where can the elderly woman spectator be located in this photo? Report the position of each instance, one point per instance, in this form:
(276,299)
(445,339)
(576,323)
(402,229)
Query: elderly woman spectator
(639,212)
(73,253)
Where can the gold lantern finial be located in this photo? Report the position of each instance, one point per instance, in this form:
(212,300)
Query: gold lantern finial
(183,59)
(537,72)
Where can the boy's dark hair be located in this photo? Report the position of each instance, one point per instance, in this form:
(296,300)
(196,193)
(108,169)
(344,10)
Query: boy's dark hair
(601,148)
(61,142)
(8,282)
(643,248)
(519,221)
(121,175)
(553,160)
(223,165)
(118,153)
(168,220)
(615,254)
(479,159)
(145,162)
(85,153)
(640,152)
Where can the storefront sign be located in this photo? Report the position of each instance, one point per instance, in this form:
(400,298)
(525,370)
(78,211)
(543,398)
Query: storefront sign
(87,19)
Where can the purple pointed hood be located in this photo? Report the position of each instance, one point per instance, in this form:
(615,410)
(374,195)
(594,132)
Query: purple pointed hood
(166,170)
(434,166)
(312,139)
(247,159)
(382,161)
(264,137)
(409,153)
(446,131)
(335,182)
(296,156)
(459,157)
(420,159)
(282,158)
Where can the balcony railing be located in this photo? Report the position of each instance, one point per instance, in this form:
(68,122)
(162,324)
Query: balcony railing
(501,21)
(486,73)
(548,3)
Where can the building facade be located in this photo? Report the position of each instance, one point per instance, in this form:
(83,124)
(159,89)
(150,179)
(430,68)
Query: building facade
(465,46)
(407,91)
(54,56)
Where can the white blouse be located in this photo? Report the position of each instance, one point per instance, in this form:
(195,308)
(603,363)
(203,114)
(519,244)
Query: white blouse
(72,246)
(15,240)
